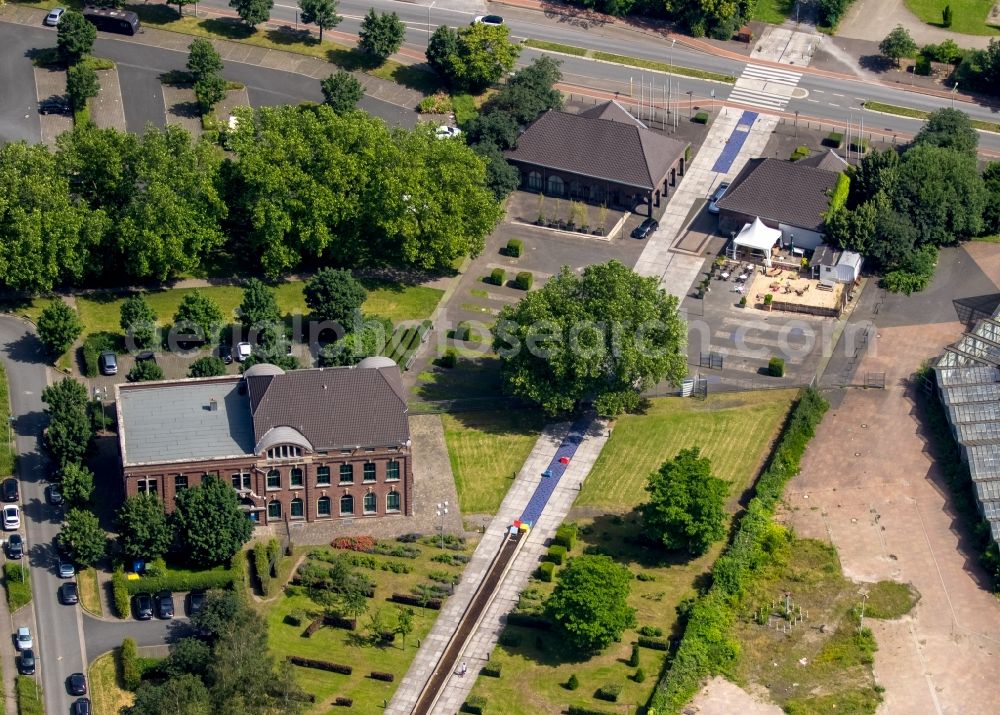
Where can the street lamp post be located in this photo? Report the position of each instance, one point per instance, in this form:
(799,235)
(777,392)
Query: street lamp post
(442,512)
(954,90)
(429,22)
(690,94)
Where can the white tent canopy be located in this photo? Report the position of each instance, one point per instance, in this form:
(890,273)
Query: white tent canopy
(757,236)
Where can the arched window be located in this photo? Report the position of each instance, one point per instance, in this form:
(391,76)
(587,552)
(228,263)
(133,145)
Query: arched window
(297,510)
(274,510)
(575,189)
(534,181)
(347,504)
(370,503)
(323,506)
(274,479)
(392,501)
(556,186)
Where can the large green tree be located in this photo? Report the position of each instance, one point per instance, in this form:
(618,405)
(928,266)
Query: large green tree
(203,59)
(589,605)
(58,327)
(259,306)
(485,54)
(897,44)
(138,321)
(531,91)
(182,693)
(77,485)
(81,85)
(381,34)
(342,91)
(333,294)
(70,429)
(74,37)
(207,366)
(209,524)
(442,49)
(209,91)
(686,503)
(951,129)
(991,183)
(143,530)
(83,538)
(199,315)
(322,13)
(604,336)
(253,12)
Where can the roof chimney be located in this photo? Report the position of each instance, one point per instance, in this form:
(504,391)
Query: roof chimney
(213,405)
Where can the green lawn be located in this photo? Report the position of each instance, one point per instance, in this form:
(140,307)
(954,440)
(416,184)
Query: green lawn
(106,689)
(90,591)
(774,12)
(18,585)
(29,696)
(921,114)
(486,449)
(6,443)
(968,16)
(733,430)
(350,647)
(465,108)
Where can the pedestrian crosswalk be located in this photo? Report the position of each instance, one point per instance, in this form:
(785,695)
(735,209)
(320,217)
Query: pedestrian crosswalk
(765,87)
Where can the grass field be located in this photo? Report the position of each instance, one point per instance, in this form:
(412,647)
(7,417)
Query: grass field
(18,584)
(106,691)
(6,443)
(733,430)
(90,591)
(351,647)
(921,114)
(774,12)
(968,16)
(486,449)
(29,696)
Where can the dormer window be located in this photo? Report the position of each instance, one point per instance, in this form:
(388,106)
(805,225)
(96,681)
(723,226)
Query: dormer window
(284,451)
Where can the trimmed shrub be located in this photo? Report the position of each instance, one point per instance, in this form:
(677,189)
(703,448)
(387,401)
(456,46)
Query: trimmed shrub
(834,140)
(566,535)
(364,544)
(923,66)
(801,152)
(384,677)
(262,567)
(528,620)
(651,631)
(946,16)
(556,554)
(332,621)
(645,576)
(776,367)
(320,665)
(295,618)
(584,710)
(448,360)
(653,643)
(498,276)
(182,581)
(700,118)
(476,705)
(515,247)
(860,146)
(523,280)
(119,589)
(573,683)
(343,702)
(131,673)
(93,345)
(633,660)
(491,670)
(463,331)
(509,639)
(639,676)
(609,692)
(407,600)
(546,571)
(438,103)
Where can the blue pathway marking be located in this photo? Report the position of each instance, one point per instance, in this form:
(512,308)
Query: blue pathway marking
(535,506)
(735,142)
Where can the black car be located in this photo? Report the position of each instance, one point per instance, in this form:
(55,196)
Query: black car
(10,491)
(195,602)
(54,496)
(53,105)
(226,353)
(146,356)
(69,594)
(15,546)
(26,664)
(143,605)
(644,229)
(164,605)
(81,707)
(76,684)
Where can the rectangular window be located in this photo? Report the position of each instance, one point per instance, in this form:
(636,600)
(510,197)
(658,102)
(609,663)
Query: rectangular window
(180,483)
(241,482)
(274,479)
(392,471)
(369,472)
(347,474)
(295,478)
(148,486)
(323,506)
(323,476)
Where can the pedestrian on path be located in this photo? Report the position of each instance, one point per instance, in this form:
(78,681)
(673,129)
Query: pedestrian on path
(463,670)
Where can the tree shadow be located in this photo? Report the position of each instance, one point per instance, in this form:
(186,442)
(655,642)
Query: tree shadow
(26,349)
(288,35)
(228,27)
(177,78)
(155,14)
(187,110)
(46,57)
(876,63)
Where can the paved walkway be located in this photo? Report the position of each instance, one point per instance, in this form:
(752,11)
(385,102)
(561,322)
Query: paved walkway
(484,639)
(873,19)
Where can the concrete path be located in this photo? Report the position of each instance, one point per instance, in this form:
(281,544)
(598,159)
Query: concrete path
(484,639)
(873,19)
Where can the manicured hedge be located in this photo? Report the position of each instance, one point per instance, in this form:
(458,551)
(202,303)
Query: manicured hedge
(262,567)
(131,673)
(707,646)
(385,677)
(556,554)
(343,702)
(181,581)
(653,643)
(834,139)
(583,710)
(701,118)
(546,570)
(475,705)
(609,692)
(528,620)
(565,535)
(491,670)
(119,589)
(515,247)
(498,276)
(523,280)
(93,345)
(320,665)
(776,367)
(408,600)
(17,580)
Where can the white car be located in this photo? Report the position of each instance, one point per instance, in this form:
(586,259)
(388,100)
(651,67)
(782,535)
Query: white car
(11,517)
(447,132)
(24,639)
(243,351)
(52,19)
(488,20)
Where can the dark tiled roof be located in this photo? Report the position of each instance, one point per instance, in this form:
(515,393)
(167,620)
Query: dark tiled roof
(781,191)
(599,148)
(828,160)
(333,408)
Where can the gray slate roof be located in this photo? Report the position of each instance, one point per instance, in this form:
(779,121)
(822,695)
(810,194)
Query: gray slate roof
(828,160)
(601,148)
(172,421)
(334,407)
(781,191)
(613,112)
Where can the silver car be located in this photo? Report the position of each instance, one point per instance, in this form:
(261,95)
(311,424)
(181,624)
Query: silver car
(714,198)
(52,19)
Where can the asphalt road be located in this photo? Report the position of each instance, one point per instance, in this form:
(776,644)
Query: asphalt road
(18,101)
(58,628)
(102,636)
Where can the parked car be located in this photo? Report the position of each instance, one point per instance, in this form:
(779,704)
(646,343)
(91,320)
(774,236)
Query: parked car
(195,602)
(226,353)
(645,229)
(77,684)
(81,707)
(66,568)
(11,517)
(107,363)
(53,105)
(10,491)
(69,594)
(55,496)
(164,605)
(53,18)
(26,665)
(143,605)
(146,356)
(719,193)
(488,20)
(24,641)
(15,546)
(243,351)
(447,132)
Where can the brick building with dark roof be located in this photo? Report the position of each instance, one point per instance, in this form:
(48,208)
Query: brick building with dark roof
(602,156)
(787,195)
(306,445)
